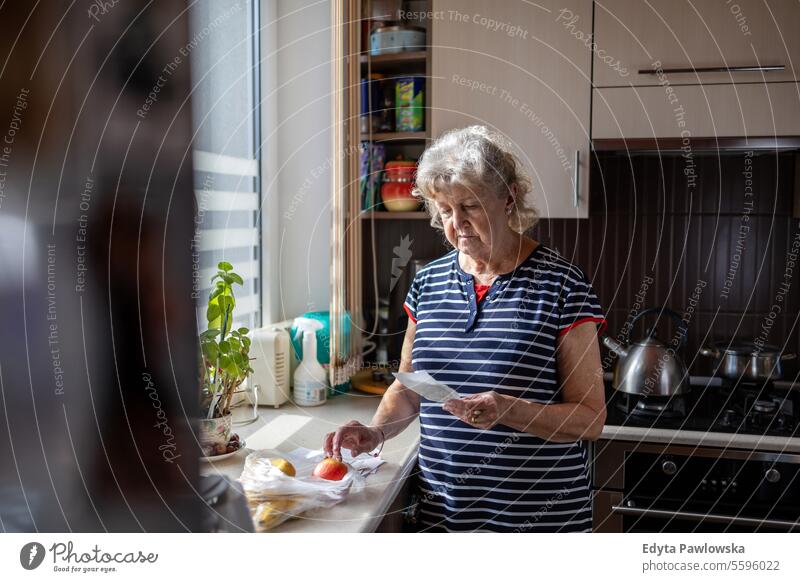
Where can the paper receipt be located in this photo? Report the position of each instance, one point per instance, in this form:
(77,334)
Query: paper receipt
(424,384)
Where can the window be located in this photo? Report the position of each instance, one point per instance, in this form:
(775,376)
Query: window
(223,47)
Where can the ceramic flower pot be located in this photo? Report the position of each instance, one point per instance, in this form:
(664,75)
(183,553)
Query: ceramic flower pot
(216,431)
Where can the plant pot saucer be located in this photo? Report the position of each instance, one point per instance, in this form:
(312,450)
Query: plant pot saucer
(214,458)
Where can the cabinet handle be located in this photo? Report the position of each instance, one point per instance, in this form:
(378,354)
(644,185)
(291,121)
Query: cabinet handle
(576,198)
(745,69)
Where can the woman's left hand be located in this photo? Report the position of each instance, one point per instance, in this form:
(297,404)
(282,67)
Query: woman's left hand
(482,410)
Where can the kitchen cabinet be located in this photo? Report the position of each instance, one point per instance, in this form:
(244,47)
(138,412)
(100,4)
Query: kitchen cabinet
(523,69)
(364,233)
(633,35)
(398,515)
(645,85)
(693,111)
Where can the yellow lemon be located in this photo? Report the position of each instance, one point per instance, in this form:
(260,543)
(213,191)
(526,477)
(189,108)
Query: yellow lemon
(284,466)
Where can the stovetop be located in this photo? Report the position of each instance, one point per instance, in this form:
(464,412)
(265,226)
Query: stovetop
(710,407)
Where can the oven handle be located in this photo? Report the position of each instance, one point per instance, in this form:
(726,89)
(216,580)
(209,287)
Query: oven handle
(717,518)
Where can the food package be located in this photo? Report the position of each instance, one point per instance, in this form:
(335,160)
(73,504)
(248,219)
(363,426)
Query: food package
(410,104)
(275,497)
(372,157)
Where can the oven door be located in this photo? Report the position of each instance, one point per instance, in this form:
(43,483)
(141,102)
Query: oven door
(665,488)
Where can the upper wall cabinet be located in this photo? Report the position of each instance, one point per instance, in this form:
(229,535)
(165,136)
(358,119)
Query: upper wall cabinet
(696,111)
(696,69)
(723,41)
(524,69)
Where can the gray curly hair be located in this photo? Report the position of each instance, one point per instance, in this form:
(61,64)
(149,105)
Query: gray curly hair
(483,161)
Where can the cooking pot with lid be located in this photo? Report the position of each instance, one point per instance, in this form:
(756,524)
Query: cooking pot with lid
(744,360)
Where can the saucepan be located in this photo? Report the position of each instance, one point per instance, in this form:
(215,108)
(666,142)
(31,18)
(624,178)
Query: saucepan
(741,359)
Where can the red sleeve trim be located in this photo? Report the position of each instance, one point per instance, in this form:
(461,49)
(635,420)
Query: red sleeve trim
(603,323)
(408,311)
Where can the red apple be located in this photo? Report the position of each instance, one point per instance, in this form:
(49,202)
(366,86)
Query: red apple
(330,469)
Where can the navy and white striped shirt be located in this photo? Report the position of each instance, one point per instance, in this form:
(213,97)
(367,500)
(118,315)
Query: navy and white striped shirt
(498,479)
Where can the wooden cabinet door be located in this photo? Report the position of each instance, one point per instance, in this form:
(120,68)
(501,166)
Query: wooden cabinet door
(521,69)
(634,35)
(697,111)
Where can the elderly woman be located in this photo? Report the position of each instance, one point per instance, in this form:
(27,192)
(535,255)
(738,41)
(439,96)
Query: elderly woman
(510,325)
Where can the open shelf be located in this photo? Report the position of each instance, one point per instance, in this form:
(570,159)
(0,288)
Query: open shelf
(394,62)
(376,242)
(386,215)
(396,136)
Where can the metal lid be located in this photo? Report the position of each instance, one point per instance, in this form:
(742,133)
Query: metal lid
(398,27)
(648,341)
(399,164)
(744,347)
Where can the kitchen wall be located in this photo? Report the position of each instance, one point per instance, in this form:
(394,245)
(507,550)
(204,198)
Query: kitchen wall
(664,229)
(296,89)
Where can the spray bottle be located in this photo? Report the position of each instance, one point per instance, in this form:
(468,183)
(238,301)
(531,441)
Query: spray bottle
(310,378)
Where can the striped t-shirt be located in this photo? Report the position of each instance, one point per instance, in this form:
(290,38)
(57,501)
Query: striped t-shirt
(498,479)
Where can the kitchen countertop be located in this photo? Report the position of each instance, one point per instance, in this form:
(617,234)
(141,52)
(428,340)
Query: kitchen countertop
(291,426)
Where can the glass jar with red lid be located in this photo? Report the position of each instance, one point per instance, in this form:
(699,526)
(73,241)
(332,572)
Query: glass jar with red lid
(398,181)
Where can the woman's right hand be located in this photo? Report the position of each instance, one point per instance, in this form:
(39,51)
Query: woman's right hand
(356,437)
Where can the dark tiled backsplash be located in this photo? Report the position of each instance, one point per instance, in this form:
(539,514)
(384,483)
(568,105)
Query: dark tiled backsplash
(652,235)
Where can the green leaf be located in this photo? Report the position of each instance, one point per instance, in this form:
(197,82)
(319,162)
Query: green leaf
(225,266)
(236,278)
(231,368)
(209,334)
(216,292)
(225,346)
(213,312)
(226,303)
(211,352)
(243,330)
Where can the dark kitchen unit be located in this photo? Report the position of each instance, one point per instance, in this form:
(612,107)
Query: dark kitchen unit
(660,487)
(724,457)
(724,454)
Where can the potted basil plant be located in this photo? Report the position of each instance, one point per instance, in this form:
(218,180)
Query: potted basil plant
(225,361)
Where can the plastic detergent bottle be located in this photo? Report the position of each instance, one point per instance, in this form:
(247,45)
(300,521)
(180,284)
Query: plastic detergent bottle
(310,379)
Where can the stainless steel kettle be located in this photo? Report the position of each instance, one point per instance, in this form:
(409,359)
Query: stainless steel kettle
(649,367)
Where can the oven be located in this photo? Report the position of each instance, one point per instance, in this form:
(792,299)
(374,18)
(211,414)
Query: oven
(647,487)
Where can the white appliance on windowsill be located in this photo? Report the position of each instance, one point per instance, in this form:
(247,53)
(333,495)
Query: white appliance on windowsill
(271,354)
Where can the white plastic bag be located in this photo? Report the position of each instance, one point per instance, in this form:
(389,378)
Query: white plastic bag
(275,497)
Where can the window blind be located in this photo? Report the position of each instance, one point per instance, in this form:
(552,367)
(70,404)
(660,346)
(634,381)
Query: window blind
(223,50)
